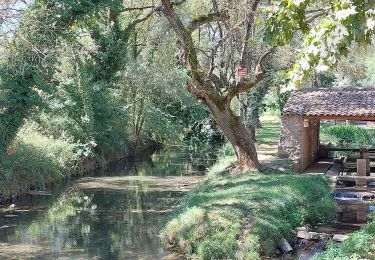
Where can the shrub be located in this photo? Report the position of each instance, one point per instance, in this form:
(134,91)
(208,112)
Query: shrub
(34,160)
(347,135)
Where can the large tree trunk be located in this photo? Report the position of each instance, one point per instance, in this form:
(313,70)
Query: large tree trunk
(236,132)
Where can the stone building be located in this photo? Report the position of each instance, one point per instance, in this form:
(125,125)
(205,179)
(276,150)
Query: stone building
(301,116)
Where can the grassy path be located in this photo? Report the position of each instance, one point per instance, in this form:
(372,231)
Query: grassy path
(268,142)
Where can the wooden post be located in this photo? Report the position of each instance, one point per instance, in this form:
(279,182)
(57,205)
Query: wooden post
(361,167)
(366,156)
(361,213)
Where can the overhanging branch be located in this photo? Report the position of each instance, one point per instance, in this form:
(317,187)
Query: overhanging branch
(208,18)
(139,8)
(140,20)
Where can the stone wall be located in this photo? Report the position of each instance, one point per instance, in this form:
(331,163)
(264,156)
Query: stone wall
(313,133)
(298,142)
(291,139)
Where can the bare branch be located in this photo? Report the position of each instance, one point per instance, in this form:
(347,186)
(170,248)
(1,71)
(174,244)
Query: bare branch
(139,8)
(316,15)
(140,20)
(209,18)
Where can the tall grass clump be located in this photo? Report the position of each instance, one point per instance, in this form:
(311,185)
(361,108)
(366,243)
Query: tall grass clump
(226,158)
(33,160)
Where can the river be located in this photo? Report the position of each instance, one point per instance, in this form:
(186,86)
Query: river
(117,213)
(111,214)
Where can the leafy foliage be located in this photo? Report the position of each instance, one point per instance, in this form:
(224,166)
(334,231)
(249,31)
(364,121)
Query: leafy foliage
(345,21)
(34,160)
(77,74)
(348,135)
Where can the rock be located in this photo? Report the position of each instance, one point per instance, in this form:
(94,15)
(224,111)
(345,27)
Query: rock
(318,236)
(285,246)
(302,229)
(303,234)
(339,237)
(314,235)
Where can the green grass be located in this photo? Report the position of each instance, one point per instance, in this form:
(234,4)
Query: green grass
(269,133)
(359,245)
(244,216)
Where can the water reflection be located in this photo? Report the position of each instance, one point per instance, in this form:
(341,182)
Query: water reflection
(353,206)
(114,214)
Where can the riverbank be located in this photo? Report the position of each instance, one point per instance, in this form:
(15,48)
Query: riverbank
(38,162)
(358,245)
(247,215)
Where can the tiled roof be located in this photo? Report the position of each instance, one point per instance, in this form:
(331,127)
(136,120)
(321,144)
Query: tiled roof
(331,102)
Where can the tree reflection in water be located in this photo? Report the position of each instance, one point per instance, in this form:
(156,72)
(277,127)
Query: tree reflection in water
(114,214)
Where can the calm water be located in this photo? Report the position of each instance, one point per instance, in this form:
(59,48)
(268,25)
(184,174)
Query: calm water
(113,214)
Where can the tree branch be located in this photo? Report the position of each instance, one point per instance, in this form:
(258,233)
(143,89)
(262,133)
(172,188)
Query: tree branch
(198,93)
(209,18)
(139,8)
(245,85)
(249,24)
(185,41)
(316,15)
(140,20)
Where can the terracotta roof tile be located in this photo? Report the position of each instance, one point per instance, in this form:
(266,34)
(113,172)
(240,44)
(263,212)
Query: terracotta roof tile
(331,102)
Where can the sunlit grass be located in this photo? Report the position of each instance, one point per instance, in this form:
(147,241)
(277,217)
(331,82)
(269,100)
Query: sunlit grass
(33,160)
(269,133)
(246,215)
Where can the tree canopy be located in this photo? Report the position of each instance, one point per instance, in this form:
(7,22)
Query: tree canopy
(342,23)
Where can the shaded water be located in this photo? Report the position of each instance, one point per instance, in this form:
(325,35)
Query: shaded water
(113,214)
(353,206)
